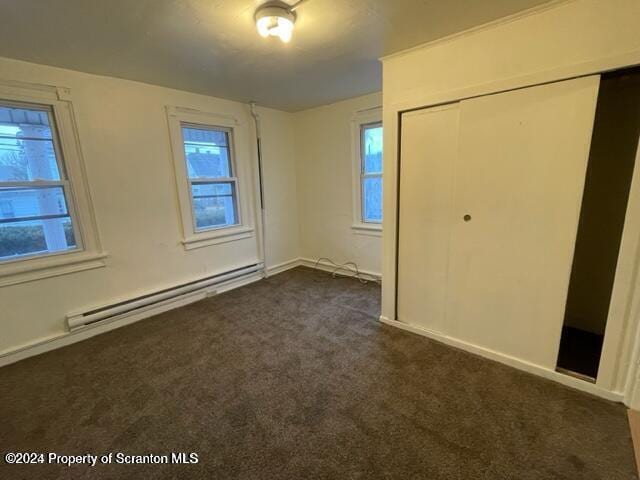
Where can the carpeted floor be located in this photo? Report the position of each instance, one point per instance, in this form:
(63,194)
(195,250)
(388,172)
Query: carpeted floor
(294,378)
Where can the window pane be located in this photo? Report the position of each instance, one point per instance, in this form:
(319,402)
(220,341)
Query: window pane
(372,199)
(26,146)
(33,220)
(214,205)
(206,152)
(35,120)
(206,136)
(372,149)
(36,237)
(23,233)
(31,202)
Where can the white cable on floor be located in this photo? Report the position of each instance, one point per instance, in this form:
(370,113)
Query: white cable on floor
(350,267)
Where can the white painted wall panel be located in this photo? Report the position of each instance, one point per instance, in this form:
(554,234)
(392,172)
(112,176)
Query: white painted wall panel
(324,168)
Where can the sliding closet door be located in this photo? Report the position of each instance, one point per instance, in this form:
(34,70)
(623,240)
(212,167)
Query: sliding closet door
(429,146)
(518,192)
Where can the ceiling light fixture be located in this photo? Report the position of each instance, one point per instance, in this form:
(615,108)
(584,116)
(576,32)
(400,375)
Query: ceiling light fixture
(276,20)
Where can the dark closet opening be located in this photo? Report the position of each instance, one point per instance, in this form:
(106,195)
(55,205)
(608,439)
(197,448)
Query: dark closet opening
(604,204)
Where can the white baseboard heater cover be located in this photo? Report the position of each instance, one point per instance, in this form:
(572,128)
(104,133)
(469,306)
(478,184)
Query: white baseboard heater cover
(108,312)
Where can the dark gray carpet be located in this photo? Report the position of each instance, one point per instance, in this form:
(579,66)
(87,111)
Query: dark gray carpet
(294,378)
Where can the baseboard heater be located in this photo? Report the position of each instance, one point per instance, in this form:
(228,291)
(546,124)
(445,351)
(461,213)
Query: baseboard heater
(109,312)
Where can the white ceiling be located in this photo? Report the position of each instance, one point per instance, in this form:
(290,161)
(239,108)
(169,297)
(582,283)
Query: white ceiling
(212,47)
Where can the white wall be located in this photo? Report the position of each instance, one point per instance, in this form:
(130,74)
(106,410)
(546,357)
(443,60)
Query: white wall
(124,137)
(324,159)
(575,38)
(279,169)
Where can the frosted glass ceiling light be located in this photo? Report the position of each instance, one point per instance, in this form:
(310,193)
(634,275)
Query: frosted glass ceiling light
(275,20)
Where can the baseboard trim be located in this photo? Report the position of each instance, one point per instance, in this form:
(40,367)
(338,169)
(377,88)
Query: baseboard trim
(68,338)
(328,267)
(283,267)
(508,360)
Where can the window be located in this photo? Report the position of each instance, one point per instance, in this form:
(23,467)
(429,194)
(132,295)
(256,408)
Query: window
(371,172)
(36,215)
(212,159)
(47,223)
(366,128)
(212,183)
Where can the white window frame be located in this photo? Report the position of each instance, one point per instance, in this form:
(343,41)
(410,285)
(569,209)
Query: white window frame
(237,135)
(359,121)
(88,254)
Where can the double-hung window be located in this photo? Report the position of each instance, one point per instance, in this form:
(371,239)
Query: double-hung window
(212,182)
(371,173)
(47,223)
(212,162)
(366,130)
(36,205)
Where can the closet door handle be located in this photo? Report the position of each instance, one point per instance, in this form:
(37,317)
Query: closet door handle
(467,218)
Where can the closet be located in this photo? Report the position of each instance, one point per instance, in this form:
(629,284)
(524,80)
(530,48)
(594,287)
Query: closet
(612,158)
(490,195)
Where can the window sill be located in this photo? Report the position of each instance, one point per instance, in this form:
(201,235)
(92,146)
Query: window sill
(371,230)
(217,237)
(52,266)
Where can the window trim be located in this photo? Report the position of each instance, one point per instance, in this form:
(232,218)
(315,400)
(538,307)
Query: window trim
(359,122)
(89,253)
(191,237)
(64,183)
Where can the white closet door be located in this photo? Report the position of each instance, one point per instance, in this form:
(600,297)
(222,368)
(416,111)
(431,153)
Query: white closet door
(429,147)
(520,177)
